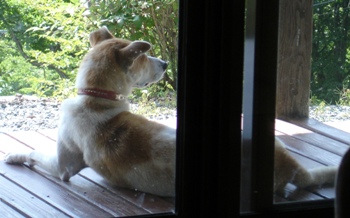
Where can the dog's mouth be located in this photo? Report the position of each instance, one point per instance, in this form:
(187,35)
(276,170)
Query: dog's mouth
(146,80)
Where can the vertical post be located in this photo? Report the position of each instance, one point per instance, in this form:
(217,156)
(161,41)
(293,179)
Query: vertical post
(294,59)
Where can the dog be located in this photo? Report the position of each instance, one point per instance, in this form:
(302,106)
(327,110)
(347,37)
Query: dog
(97,130)
(288,170)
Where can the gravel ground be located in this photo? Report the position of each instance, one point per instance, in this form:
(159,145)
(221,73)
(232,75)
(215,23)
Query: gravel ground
(19,113)
(32,113)
(330,113)
(28,113)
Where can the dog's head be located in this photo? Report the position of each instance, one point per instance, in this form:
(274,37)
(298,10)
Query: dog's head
(118,65)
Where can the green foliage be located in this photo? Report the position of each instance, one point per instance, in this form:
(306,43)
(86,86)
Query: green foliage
(42,42)
(330,54)
(46,40)
(344,96)
(15,72)
(51,34)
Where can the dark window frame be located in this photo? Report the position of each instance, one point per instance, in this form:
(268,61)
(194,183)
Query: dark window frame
(211,48)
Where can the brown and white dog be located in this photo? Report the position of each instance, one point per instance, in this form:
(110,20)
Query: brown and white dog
(96,129)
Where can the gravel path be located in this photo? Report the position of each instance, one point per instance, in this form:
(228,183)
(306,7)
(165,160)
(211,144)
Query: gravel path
(330,113)
(32,113)
(28,113)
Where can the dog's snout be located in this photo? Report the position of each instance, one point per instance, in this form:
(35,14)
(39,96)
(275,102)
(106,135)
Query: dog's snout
(164,65)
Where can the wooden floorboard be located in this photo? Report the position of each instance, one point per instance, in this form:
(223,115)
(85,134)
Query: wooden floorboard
(312,152)
(324,129)
(7,211)
(314,138)
(25,201)
(51,193)
(31,192)
(313,144)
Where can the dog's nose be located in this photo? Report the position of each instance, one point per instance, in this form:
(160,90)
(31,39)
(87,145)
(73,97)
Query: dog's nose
(164,65)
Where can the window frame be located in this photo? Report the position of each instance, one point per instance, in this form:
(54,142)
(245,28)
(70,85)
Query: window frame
(211,48)
(209,108)
(259,103)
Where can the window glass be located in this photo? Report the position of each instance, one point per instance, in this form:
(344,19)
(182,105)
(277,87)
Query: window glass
(309,129)
(312,79)
(131,162)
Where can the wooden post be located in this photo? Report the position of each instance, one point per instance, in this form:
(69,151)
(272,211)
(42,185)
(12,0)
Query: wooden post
(294,59)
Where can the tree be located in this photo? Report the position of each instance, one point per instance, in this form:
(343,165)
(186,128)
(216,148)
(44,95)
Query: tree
(330,55)
(45,34)
(52,36)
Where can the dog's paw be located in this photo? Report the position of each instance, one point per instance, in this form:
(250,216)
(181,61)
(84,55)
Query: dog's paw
(16,158)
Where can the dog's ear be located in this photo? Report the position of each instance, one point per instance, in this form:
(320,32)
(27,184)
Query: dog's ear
(99,36)
(135,49)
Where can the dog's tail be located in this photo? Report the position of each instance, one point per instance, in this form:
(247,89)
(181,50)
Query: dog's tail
(315,177)
(289,170)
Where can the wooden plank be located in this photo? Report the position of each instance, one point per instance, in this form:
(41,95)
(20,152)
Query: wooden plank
(33,139)
(50,192)
(323,129)
(313,138)
(151,203)
(99,196)
(26,202)
(325,191)
(305,161)
(311,151)
(9,144)
(7,211)
(342,125)
(50,133)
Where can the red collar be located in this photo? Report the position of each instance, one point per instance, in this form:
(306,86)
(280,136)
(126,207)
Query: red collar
(110,95)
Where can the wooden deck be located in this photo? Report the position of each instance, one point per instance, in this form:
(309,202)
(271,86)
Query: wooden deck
(313,144)
(30,192)
(26,192)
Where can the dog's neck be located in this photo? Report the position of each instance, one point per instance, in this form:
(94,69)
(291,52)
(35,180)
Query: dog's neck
(100,93)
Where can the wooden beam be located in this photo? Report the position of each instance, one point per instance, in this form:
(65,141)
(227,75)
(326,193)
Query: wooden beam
(294,59)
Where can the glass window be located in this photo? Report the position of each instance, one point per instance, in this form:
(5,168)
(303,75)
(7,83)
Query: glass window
(93,61)
(305,58)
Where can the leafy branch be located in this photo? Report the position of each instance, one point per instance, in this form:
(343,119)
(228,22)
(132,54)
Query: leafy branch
(24,55)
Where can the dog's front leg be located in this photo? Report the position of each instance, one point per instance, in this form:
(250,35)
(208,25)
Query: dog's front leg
(63,164)
(70,161)
(46,160)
